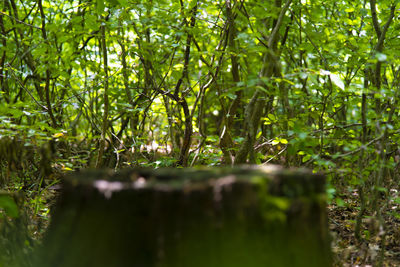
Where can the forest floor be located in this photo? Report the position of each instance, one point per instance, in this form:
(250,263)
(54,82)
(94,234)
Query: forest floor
(350,252)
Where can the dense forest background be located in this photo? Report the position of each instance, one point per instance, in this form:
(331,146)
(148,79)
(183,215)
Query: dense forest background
(121,83)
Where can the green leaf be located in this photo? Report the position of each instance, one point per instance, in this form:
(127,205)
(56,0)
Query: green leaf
(275,142)
(306,158)
(271,117)
(123,3)
(8,205)
(92,22)
(192,4)
(100,6)
(283,141)
(340,202)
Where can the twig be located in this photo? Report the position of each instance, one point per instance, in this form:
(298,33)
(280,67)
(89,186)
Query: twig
(280,152)
(23,87)
(20,21)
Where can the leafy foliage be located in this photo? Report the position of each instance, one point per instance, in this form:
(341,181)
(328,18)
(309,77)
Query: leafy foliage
(122,83)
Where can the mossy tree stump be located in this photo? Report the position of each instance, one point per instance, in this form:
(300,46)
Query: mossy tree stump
(216,217)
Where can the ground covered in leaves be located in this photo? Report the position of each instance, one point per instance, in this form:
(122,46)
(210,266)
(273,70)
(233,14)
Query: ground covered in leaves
(350,252)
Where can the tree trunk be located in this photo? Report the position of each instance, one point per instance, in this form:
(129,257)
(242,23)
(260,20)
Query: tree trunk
(221,217)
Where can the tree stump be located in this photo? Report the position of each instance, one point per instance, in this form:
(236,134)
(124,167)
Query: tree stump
(214,217)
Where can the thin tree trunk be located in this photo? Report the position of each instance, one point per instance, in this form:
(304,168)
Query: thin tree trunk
(226,143)
(49,108)
(104,127)
(271,68)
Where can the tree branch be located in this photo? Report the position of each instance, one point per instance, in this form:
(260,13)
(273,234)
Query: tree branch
(379,45)
(374,15)
(273,39)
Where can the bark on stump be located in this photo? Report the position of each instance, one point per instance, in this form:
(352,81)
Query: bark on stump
(215,217)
